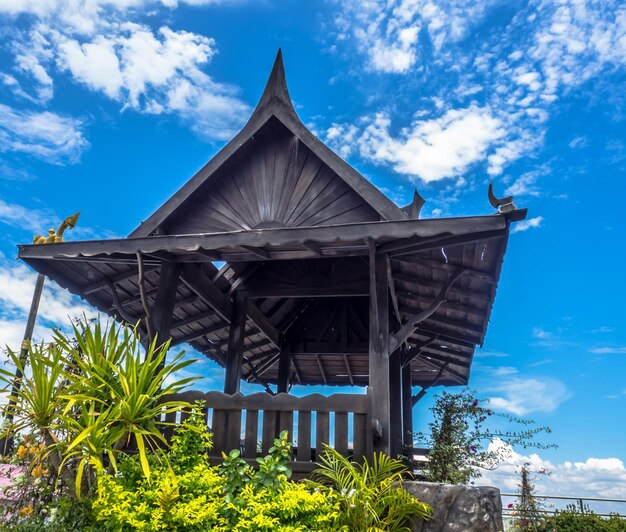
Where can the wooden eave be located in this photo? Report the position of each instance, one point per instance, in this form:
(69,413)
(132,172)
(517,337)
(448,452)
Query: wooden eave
(275,102)
(422,253)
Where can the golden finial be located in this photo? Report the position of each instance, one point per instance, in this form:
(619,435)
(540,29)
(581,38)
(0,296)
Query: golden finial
(57,235)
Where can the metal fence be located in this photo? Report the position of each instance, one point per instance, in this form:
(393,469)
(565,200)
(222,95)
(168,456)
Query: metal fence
(602,507)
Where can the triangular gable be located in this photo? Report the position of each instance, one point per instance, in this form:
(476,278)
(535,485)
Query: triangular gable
(210,202)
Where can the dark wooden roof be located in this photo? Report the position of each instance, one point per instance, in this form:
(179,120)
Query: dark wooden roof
(294,225)
(274,172)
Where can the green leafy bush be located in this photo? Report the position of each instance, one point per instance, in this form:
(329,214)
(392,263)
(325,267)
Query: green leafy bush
(193,496)
(371,496)
(572,520)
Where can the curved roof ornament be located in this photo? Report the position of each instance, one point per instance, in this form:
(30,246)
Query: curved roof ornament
(276,87)
(414,208)
(502,204)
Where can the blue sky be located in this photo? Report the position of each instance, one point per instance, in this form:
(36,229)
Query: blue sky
(109,106)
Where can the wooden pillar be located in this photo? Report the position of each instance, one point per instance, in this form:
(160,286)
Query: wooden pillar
(379,352)
(234,355)
(164,301)
(284,367)
(395,403)
(407,406)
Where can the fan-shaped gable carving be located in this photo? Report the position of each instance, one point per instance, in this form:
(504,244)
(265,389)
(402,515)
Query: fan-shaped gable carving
(272,181)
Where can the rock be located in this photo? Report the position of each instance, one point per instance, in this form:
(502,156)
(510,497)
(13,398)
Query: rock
(458,508)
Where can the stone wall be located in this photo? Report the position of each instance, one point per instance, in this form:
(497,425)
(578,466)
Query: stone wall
(458,508)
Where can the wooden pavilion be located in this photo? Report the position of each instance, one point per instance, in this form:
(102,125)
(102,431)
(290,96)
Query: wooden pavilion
(325,282)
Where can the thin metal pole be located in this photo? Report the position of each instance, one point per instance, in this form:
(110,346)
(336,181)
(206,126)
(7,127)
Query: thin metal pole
(28,335)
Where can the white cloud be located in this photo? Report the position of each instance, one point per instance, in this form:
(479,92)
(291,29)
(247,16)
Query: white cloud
(149,71)
(57,304)
(49,136)
(523,396)
(429,149)
(491,354)
(156,72)
(388,31)
(593,477)
(525,225)
(516,71)
(609,350)
(22,218)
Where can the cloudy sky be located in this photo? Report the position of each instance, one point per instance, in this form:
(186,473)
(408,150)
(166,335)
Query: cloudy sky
(109,106)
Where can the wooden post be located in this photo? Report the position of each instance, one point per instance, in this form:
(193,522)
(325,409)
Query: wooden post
(7,442)
(284,366)
(234,355)
(407,406)
(395,403)
(164,301)
(379,352)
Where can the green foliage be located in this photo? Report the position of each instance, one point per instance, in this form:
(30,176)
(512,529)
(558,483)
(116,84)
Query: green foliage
(118,391)
(458,438)
(370,496)
(572,520)
(191,441)
(84,398)
(196,496)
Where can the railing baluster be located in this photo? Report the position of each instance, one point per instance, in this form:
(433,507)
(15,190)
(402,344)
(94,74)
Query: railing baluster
(304,437)
(341,433)
(322,433)
(252,434)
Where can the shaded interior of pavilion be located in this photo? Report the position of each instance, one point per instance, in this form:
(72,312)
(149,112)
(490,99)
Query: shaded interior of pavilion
(323,281)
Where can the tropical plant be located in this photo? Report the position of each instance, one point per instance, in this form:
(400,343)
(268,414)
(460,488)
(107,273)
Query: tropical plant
(371,497)
(92,394)
(459,438)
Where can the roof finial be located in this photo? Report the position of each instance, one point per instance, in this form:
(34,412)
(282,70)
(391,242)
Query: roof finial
(413,209)
(502,204)
(276,88)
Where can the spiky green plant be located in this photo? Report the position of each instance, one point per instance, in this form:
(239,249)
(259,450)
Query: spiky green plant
(371,496)
(93,393)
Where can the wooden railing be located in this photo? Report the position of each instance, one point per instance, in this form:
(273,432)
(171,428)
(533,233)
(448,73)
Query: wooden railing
(244,421)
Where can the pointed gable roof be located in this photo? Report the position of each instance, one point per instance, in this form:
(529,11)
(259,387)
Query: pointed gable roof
(274,172)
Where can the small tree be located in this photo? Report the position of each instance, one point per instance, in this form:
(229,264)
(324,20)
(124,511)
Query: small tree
(459,438)
(529,511)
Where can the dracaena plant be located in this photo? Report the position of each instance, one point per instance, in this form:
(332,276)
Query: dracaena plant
(93,393)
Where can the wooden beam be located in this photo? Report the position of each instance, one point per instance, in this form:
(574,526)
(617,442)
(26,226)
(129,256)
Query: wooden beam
(395,402)
(199,283)
(351,289)
(442,242)
(190,337)
(104,283)
(193,318)
(348,370)
(436,286)
(451,305)
(322,371)
(379,350)
(413,321)
(284,365)
(411,354)
(164,301)
(407,407)
(485,277)
(234,355)
(214,256)
(259,252)
(312,246)
(328,348)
